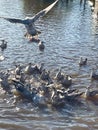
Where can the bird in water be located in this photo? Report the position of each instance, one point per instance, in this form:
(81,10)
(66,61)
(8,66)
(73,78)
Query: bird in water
(29,22)
(41,46)
(22,90)
(94,75)
(4,82)
(3,44)
(67,81)
(90,94)
(82,62)
(18,70)
(32,69)
(59,76)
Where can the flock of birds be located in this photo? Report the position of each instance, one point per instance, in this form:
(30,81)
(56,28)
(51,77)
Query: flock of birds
(42,88)
(36,84)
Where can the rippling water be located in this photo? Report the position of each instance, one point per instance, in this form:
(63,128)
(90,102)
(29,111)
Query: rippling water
(68,32)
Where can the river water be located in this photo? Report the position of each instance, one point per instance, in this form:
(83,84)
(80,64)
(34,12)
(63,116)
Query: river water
(69,32)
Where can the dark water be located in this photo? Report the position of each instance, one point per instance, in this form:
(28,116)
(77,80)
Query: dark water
(68,32)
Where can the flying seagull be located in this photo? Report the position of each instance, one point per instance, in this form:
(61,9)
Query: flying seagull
(29,21)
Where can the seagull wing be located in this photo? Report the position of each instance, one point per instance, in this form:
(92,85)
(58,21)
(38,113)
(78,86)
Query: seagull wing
(43,12)
(31,19)
(13,20)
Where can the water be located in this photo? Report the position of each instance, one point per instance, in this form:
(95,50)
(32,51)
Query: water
(69,32)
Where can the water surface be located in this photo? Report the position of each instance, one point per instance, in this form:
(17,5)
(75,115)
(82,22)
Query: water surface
(68,32)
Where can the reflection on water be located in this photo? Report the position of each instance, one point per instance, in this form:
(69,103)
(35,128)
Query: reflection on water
(68,32)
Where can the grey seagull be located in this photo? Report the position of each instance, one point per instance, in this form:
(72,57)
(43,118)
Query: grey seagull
(29,21)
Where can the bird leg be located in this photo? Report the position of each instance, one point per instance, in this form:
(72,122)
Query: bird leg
(32,38)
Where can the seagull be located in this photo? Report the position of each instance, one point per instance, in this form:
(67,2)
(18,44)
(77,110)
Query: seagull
(22,90)
(67,81)
(41,45)
(28,22)
(82,62)
(93,74)
(90,94)
(3,45)
(59,76)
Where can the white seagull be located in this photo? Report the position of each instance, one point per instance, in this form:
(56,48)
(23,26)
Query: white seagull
(29,21)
